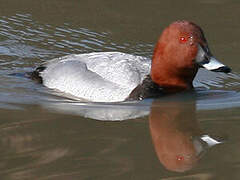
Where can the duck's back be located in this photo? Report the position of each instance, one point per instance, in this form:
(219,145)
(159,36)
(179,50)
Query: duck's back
(105,76)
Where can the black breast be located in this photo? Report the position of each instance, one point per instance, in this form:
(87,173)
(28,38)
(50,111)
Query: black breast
(146,89)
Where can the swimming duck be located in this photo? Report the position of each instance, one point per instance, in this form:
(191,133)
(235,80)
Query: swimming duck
(115,76)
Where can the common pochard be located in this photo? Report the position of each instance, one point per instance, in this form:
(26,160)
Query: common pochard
(114,76)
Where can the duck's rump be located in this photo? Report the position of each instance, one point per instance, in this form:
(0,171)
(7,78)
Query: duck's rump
(36,74)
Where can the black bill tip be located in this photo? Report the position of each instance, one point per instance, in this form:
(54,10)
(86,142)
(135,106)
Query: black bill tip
(224,69)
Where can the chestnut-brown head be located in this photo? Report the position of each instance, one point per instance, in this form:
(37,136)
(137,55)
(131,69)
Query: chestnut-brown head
(179,52)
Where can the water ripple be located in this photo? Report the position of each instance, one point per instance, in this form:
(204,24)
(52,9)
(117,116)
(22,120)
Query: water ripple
(62,39)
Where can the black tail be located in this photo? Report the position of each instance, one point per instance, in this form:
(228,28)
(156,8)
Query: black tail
(35,75)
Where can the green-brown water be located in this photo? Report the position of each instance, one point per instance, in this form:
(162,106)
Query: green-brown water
(48,137)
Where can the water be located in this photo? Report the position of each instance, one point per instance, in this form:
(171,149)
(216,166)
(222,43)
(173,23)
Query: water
(193,135)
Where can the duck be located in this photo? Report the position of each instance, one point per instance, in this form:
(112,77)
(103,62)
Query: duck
(116,76)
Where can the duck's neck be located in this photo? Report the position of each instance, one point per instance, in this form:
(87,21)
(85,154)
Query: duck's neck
(171,77)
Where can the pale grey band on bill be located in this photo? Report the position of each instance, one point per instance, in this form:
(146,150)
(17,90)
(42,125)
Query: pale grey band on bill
(205,59)
(212,64)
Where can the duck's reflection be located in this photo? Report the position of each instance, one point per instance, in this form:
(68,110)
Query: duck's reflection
(178,140)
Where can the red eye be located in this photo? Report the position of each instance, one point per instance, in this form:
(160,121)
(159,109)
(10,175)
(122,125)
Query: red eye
(180,158)
(183,39)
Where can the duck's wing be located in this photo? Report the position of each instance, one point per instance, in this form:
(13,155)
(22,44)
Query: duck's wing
(124,69)
(75,78)
(96,76)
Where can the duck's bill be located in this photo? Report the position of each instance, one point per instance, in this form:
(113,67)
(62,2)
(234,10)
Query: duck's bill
(205,59)
(214,65)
